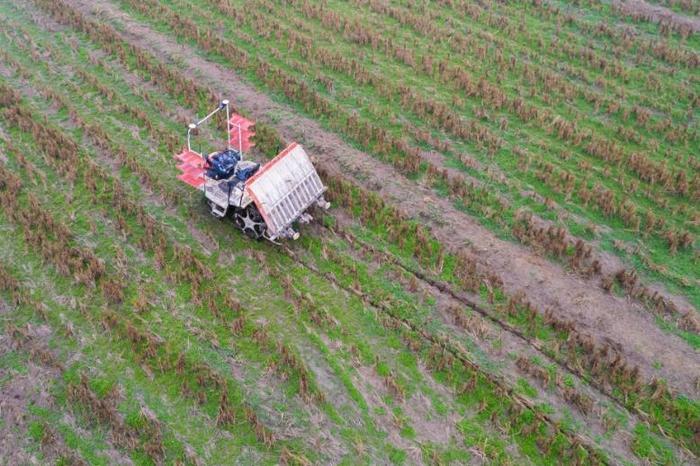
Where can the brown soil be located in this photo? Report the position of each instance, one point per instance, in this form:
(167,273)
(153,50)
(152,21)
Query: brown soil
(659,14)
(609,318)
(317,435)
(20,389)
(16,394)
(500,346)
(428,426)
(30,387)
(373,391)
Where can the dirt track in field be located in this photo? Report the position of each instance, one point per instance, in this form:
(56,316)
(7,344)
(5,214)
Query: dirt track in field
(16,394)
(31,387)
(500,344)
(659,14)
(609,318)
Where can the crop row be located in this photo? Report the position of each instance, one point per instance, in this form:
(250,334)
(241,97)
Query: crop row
(438,113)
(469,323)
(640,165)
(54,96)
(607,203)
(150,347)
(597,361)
(101,137)
(553,85)
(289,360)
(454,184)
(198,381)
(674,50)
(75,117)
(445,356)
(184,24)
(424,249)
(183,266)
(445,73)
(53,241)
(578,37)
(622,38)
(52,443)
(505,32)
(603,198)
(417,248)
(145,435)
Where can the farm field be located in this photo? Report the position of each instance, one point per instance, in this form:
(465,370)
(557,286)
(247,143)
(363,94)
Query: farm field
(509,272)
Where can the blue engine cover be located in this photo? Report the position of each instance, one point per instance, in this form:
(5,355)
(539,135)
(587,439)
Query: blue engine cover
(246,169)
(223,164)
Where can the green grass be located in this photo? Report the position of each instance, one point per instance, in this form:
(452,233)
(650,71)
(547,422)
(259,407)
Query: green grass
(359,337)
(349,95)
(652,448)
(183,295)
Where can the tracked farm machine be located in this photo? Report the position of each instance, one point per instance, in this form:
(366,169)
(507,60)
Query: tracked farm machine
(263,201)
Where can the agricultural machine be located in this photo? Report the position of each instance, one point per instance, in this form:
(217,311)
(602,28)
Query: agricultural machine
(264,201)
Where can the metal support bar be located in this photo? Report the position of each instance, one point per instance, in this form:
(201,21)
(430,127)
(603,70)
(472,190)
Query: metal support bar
(240,141)
(192,126)
(228,127)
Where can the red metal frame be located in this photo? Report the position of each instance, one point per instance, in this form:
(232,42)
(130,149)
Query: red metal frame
(192,168)
(246,133)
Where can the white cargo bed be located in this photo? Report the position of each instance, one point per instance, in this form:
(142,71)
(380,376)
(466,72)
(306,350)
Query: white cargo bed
(284,188)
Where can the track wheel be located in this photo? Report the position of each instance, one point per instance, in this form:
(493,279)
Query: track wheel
(250,222)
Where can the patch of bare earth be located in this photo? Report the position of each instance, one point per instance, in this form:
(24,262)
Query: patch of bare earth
(30,386)
(319,434)
(501,347)
(658,14)
(373,390)
(20,389)
(547,285)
